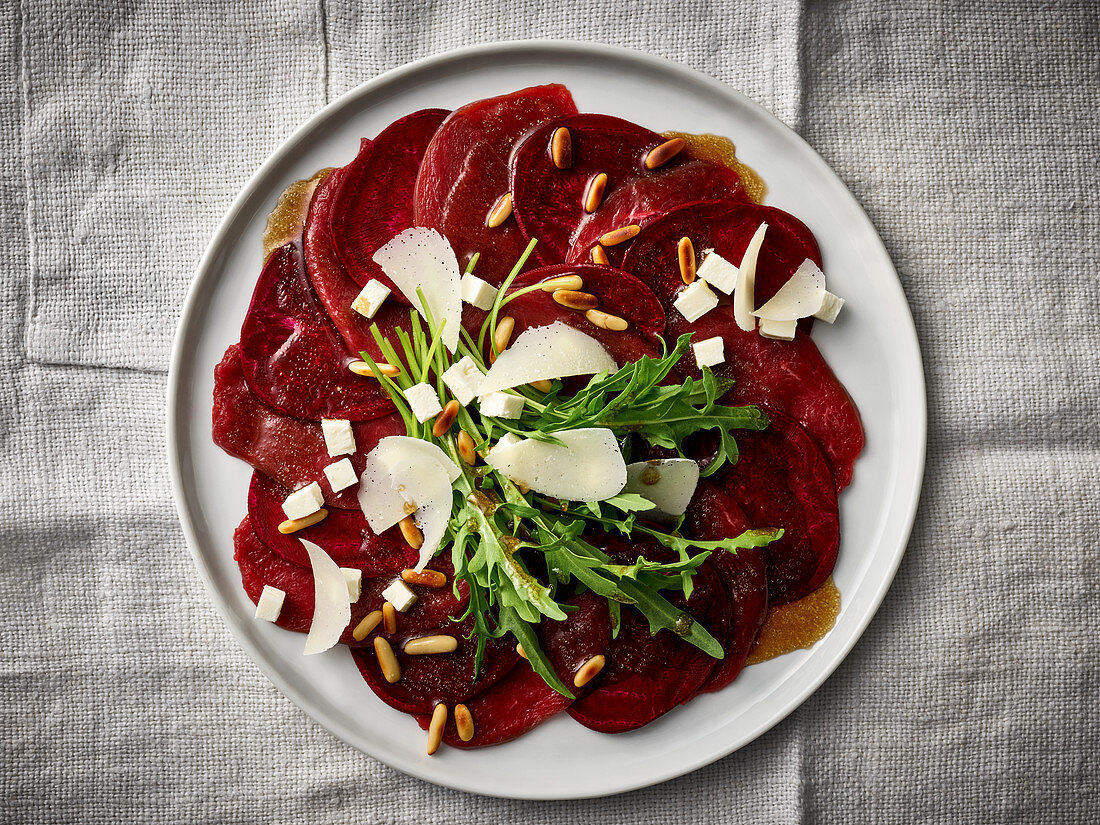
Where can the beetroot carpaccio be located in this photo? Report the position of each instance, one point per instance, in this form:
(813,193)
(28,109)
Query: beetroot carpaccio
(593,496)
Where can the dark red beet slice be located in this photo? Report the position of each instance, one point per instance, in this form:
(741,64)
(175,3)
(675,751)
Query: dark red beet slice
(290,450)
(259,565)
(781,479)
(585,633)
(465,171)
(292,355)
(344,534)
(374,199)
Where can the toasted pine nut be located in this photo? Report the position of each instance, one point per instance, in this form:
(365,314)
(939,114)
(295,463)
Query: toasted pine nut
(620,235)
(424,578)
(543,385)
(685,253)
(411,533)
(431,644)
(563,282)
(363,368)
(365,627)
(606,320)
(435,729)
(503,335)
(464,723)
(445,419)
(293,525)
(571,299)
(599,255)
(589,670)
(501,211)
(561,148)
(387,660)
(389,618)
(466,448)
(660,155)
(594,196)
(522,653)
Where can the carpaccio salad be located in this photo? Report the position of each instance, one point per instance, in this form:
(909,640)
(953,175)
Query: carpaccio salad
(536,420)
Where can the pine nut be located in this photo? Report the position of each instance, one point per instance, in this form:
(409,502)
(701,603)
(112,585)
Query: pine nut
(387,660)
(599,255)
(293,525)
(435,729)
(503,335)
(411,533)
(563,282)
(571,299)
(620,235)
(424,645)
(589,670)
(365,627)
(660,155)
(363,368)
(464,723)
(501,211)
(543,385)
(424,578)
(522,653)
(594,196)
(685,253)
(389,618)
(466,448)
(606,320)
(445,419)
(561,148)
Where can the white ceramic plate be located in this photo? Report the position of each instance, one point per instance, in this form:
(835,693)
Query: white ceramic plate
(872,348)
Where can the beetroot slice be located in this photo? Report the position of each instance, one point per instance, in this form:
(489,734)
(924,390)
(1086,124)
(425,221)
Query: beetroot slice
(344,534)
(586,632)
(465,171)
(374,200)
(293,357)
(290,450)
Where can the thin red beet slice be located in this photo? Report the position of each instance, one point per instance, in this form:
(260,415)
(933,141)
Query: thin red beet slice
(293,357)
(465,171)
(648,675)
(344,534)
(374,199)
(441,677)
(259,565)
(290,450)
(586,632)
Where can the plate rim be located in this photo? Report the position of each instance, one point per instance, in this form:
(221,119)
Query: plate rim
(218,243)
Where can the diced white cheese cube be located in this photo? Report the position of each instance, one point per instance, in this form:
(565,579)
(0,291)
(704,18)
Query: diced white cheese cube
(304,502)
(710,352)
(399,595)
(696,300)
(830,308)
(779,330)
(270,604)
(370,298)
(423,401)
(718,272)
(341,475)
(501,405)
(354,577)
(477,292)
(463,378)
(339,437)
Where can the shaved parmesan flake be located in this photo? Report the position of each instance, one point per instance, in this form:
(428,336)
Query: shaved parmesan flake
(778,330)
(668,482)
(543,353)
(744,295)
(422,258)
(331,608)
(800,297)
(830,308)
(587,466)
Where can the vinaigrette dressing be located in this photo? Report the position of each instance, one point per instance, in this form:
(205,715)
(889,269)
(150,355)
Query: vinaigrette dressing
(721,150)
(798,625)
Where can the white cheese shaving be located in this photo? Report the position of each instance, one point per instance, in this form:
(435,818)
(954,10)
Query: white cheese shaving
(545,353)
(668,482)
(800,297)
(421,258)
(331,608)
(744,294)
(586,466)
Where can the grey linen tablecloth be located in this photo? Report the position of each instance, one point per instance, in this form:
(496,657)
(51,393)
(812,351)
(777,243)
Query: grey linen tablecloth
(970,133)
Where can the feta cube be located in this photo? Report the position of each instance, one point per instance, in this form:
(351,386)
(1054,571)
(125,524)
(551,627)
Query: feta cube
(399,595)
(370,298)
(696,300)
(501,405)
(710,352)
(778,330)
(718,272)
(341,475)
(304,502)
(830,308)
(354,577)
(477,292)
(423,401)
(463,378)
(270,604)
(339,437)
